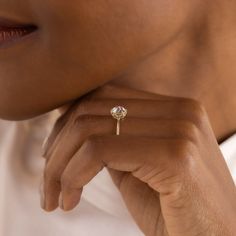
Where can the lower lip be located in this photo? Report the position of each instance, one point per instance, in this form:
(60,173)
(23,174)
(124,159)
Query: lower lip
(9,35)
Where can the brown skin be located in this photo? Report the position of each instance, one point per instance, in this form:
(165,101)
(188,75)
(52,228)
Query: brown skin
(80,46)
(166,163)
(179,48)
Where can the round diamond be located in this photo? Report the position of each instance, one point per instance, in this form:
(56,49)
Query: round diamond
(118,112)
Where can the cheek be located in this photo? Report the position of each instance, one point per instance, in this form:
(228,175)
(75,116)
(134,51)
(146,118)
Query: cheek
(107,36)
(113,34)
(80,47)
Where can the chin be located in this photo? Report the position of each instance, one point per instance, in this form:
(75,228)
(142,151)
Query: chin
(13,115)
(20,113)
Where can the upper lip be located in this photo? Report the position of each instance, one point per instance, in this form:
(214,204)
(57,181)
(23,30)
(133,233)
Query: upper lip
(12,31)
(8,23)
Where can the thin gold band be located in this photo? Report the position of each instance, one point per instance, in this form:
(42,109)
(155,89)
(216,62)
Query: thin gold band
(118,127)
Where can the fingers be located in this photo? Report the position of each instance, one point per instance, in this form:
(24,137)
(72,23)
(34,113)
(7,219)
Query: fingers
(162,118)
(184,109)
(69,141)
(57,128)
(66,145)
(86,126)
(53,135)
(157,162)
(72,195)
(106,91)
(171,108)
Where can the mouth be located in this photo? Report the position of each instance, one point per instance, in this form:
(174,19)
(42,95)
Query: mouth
(11,32)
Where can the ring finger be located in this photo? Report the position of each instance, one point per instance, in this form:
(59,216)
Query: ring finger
(88,125)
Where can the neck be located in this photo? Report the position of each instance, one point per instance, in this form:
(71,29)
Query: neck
(199,63)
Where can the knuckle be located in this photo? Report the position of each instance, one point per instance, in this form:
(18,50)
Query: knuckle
(184,152)
(93,145)
(199,109)
(50,175)
(91,124)
(84,125)
(196,109)
(189,130)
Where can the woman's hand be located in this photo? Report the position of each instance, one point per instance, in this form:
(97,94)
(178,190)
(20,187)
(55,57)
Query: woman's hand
(166,162)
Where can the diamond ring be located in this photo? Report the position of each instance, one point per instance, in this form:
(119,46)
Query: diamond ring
(118,113)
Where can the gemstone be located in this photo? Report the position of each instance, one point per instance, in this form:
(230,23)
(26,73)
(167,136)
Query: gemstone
(118,112)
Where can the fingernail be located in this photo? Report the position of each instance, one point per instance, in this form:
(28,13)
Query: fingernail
(61,201)
(44,147)
(42,201)
(42,196)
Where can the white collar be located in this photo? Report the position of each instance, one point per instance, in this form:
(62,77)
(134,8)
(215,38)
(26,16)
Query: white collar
(228,147)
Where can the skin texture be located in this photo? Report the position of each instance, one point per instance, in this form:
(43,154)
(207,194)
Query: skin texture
(166,163)
(177,48)
(173,47)
(80,46)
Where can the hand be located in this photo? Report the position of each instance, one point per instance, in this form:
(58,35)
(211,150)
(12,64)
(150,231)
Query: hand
(166,162)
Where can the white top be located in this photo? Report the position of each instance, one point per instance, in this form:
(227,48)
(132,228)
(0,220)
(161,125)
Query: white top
(101,210)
